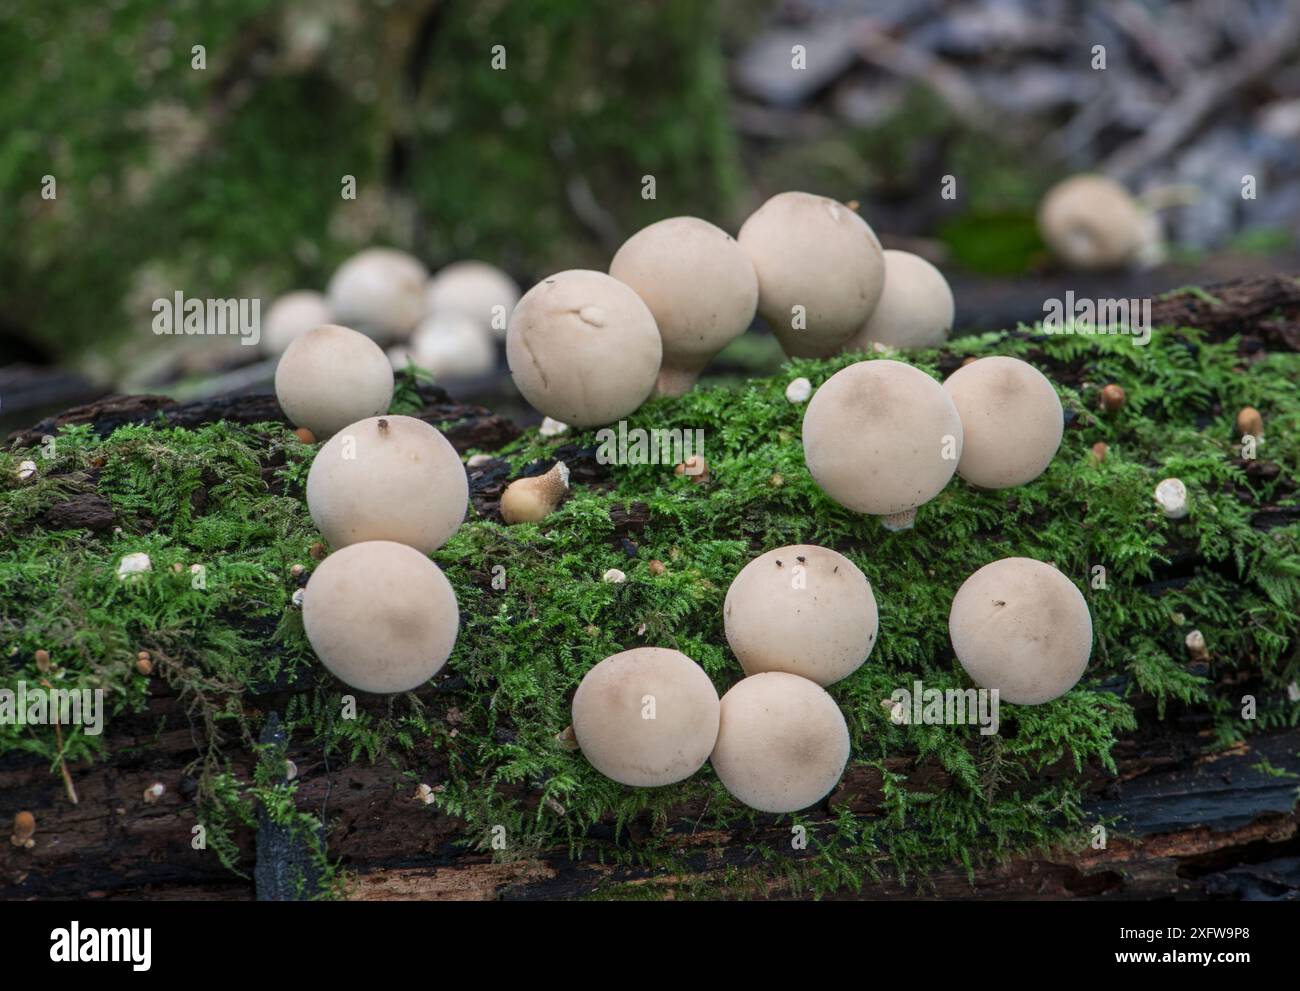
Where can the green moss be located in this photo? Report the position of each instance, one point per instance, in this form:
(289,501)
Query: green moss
(230,498)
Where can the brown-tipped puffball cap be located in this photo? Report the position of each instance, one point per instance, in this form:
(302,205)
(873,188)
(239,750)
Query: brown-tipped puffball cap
(700,287)
(1011,421)
(452,345)
(330,377)
(1091,222)
(380,291)
(915,309)
(583,348)
(1020,626)
(805,610)
(388,478)
(646,717)
(381,616)
(813,252)
(528,500)
(782,742)
(876,437)
(481,291)
(290,316)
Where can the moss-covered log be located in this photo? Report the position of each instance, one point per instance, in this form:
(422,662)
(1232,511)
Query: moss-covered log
(1193,787)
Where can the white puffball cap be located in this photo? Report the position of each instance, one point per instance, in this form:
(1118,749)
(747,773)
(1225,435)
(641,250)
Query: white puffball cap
(480,291)
(915,310)
(330,377)
(1022,627)
(1171,497)
(815,254)
(290,316)
(881,437)
(388,478)
(1011,421)
(646,717)
(782,742)
(583,348)
(380,616)
(452,345)
(803,609)
(380,291)
(1092,222)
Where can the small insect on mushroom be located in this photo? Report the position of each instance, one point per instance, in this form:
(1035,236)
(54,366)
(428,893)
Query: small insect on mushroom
(1022,627)
(388,478)
(782,742)
(24,830)
(380,616)
(330,377)
(816,619)
(700,286)
(528,500)
(646,717)
(915,308)
(583,348)
(1111,398)
(820,271)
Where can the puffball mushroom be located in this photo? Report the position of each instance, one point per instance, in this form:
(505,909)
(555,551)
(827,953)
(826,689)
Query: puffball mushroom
(803,609)
(527,500)
(290,316)
(646,717)
(782,742)
(476,289)
(1011,421)
(1092,222)
(915,308)
(583,348)
(388,478)
(881,437)
(699,285)
(452,345)
(814,253)
(380,291)
(380,616)
(1022,627)
(330,377)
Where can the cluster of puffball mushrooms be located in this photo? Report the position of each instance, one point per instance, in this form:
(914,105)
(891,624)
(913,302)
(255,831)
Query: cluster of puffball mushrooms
(587,348)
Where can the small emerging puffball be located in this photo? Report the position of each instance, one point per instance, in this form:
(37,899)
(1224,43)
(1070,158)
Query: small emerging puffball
(646,717)
(1092,222)
(290,316)
(915,310)
(583,348)
(881,437)
(804,609)
(330,377)
(480,291)
(782,742)
(380,616)
(1011,421)
(452,345)
(798,391)
(380,291)
(388,478)
(815,254)
(1020,626)
(133,564)
(700,287)
(1171,497)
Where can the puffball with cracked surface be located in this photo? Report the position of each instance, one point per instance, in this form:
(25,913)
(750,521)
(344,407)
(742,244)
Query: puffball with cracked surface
(915,309)
(700,287)
(815,253)
(480,291)
(388,478)
(646,717)
(782,742)
(1092,222)
(290,316)
(803,609)
(1011,421)
(1022,627)
(332,376)
(583,348)
(381,616)
(882,437)
(380,291)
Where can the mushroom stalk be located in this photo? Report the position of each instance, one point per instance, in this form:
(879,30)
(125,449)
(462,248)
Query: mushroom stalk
(528,500)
